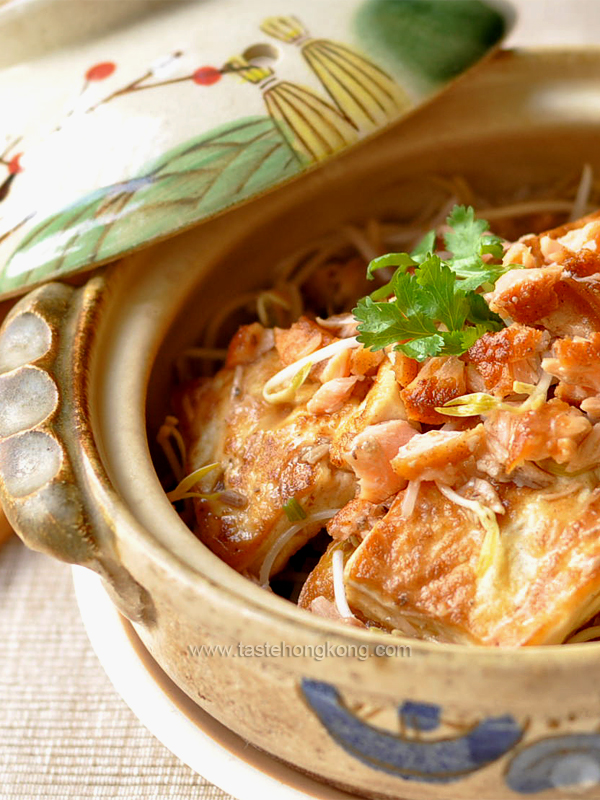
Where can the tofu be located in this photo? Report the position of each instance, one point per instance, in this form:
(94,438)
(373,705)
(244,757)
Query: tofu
(267,453)
(543,584)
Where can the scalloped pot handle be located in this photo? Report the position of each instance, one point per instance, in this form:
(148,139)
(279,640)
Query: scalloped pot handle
(46,445)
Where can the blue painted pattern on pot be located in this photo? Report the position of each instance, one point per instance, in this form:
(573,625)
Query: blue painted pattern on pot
(565,762)
(442,760)
(568,762)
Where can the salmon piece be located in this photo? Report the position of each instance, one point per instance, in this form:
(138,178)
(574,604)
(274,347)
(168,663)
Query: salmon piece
(370,456)
(552,250)
(561,235)
(591,407)
(581,265)
(332,395)
(520,253)
(301,339)
(577,310)
(248,343)
(578,292)
(443,456)
(588,452)
(500,358)
(381,403)
(355,519)
(338,366)
(406,369)
(552,431)
(525,295)
(576,361)
(585,237)
(364,361)
(572,394)
(439,380)
(564,298)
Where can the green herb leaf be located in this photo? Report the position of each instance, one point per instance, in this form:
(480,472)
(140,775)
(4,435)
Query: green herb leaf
(422,348)
(481,314)
(383,324)
(446,300)
(433,309)
(294,511)
(468,241)
(402,260)
(477,274)
(466,238)
(424,248)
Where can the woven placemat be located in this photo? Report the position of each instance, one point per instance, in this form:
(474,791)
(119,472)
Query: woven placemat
(64,731)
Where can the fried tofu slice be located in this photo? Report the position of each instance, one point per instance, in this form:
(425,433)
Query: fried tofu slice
(543,583)
(268,454)
(318,592)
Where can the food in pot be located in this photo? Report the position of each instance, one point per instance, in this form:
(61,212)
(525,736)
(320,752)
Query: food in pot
(445,432)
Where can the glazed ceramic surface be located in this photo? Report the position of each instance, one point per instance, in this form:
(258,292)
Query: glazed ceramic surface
(366,712)
(131,133)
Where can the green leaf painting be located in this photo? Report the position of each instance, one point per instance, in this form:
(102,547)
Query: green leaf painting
(194,180)
(431,40)
(404,50)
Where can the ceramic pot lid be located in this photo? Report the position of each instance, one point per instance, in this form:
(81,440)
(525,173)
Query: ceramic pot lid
(124,123)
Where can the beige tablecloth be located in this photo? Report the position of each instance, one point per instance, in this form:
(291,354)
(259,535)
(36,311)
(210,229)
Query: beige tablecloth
(64,731)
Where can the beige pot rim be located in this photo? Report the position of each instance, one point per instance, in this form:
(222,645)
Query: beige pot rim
(127,327)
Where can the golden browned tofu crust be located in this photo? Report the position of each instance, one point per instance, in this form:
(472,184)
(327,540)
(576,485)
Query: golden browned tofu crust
(545,581)
(268,456)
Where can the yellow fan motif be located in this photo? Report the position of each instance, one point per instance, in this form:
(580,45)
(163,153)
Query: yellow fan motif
(312,125)
(253,73)
(286,29)
(363,92)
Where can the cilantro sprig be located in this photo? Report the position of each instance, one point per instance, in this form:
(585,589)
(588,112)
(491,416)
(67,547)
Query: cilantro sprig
(435,309)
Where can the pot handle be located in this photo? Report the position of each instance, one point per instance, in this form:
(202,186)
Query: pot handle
(53,486)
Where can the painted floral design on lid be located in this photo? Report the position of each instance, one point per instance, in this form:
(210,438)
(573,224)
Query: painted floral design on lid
(217,128)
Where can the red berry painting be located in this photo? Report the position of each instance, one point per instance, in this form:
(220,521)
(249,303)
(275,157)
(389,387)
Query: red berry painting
(101,71)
